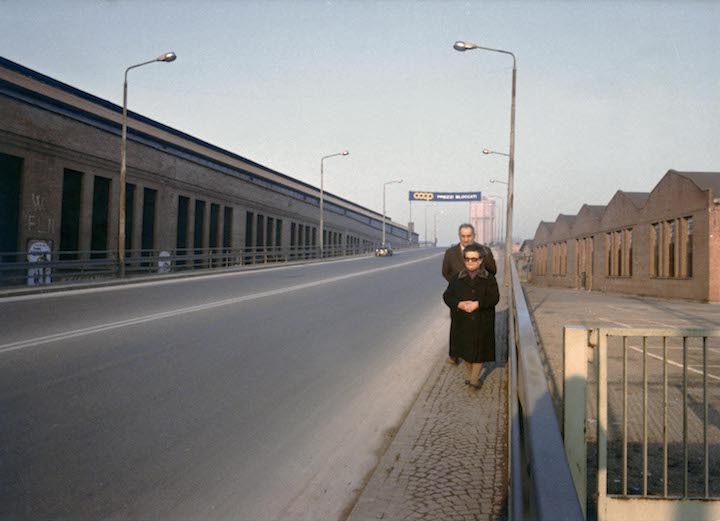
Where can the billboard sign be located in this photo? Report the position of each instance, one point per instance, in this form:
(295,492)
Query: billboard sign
(445,197)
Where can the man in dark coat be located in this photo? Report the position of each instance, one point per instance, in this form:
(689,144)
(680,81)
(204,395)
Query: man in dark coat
(453,261)
(471,296)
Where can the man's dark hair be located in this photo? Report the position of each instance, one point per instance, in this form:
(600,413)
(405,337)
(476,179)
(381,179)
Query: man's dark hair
(473,247)
(466,225)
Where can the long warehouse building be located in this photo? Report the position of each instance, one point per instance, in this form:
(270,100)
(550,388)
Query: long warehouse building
(59,184)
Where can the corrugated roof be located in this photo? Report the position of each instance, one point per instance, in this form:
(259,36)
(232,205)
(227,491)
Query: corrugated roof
(638,198)
(703,180)
(595,209)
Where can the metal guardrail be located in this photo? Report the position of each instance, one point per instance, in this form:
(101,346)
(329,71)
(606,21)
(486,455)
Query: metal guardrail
(541,486)
(45,268)
(633,434)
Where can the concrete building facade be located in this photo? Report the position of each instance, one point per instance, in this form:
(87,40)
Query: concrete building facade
(483,218)
(663,243)
(59,173)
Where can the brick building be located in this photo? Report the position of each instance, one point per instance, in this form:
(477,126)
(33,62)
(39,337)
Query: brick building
(663,243)
(59,184)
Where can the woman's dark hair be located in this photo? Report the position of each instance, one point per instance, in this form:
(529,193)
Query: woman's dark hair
(473,246)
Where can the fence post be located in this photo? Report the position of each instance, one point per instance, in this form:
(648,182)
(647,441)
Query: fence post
(602,423)
(575,341)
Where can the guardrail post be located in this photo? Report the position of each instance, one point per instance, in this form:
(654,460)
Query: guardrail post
(575,362)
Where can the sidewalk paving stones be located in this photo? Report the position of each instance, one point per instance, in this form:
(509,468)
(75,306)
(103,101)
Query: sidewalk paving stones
(448,461)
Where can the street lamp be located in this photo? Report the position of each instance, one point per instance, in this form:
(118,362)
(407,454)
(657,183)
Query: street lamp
(487,151)
(498,181)
(322,198)
(167,57)
(466,46)
(383,223)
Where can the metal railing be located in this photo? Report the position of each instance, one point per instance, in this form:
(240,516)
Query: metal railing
(45,268)
(631,484)
(541,485)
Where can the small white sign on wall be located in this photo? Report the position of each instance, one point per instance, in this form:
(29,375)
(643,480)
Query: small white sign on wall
(164,265)
(39,252)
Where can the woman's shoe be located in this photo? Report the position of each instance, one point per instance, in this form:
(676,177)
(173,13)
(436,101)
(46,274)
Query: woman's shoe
(475,386)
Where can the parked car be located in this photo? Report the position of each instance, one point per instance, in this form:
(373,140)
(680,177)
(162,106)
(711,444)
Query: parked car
(384,250)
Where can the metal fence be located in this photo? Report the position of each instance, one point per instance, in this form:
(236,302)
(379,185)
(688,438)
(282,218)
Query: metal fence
(541,485)
(657,420)
(44,268)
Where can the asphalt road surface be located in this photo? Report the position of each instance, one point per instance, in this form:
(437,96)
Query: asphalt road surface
(255,395)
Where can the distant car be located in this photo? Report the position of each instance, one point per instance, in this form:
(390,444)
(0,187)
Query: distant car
(384,250)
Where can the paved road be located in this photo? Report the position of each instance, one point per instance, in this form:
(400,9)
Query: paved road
(259,395)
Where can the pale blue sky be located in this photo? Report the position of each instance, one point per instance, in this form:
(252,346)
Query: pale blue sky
(610,94)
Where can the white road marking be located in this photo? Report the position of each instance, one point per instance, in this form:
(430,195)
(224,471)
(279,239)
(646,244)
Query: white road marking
(690,368)
(21,344)
(690,348)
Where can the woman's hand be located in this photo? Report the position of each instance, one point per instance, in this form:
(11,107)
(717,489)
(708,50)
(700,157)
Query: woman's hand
(468,306)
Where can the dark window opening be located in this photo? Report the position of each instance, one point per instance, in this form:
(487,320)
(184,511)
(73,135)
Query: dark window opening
(227,227)
(269,232)
(147,241)
(630,252)
(671,249)
(70,215)
(656,249)
(10,182)
(249,223)
(129,216)
(278,233)
(689,247)
(199,229)
(260,234)
(214,225)
(99,226)
(181,241)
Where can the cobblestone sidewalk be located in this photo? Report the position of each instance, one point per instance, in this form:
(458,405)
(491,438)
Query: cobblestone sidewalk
(448,460)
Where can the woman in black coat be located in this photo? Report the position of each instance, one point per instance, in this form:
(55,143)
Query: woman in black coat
(471,296)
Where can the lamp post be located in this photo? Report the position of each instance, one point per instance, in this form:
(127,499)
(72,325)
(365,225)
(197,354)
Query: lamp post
(487,151)
(383,226)
(322,199)
(466,46)
(426,233)
(435,232)
(167,57)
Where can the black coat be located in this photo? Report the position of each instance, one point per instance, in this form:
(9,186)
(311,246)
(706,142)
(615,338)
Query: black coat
(472,335)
